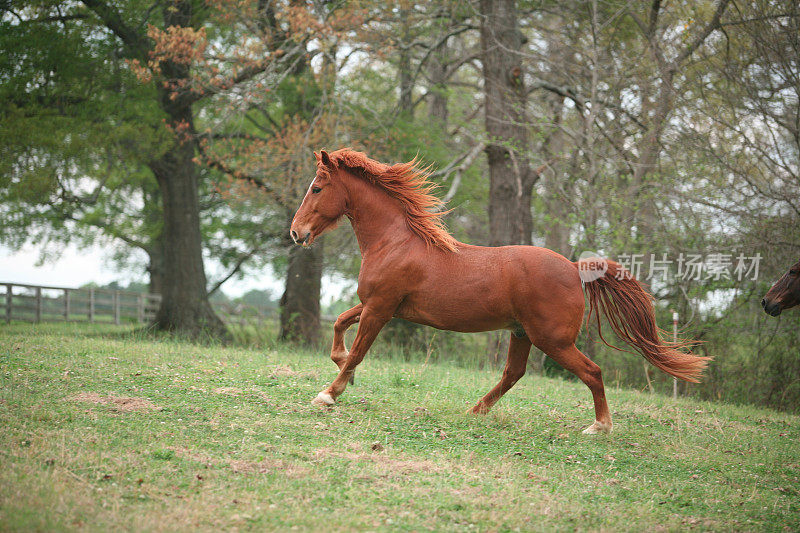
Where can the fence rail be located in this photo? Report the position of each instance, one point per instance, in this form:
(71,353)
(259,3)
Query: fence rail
(41,303)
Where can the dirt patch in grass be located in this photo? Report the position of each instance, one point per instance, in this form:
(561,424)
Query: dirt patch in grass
(186,453)
(284,371)
(123,404)
(382,461)
(230,391)
(241,466)
(267,466)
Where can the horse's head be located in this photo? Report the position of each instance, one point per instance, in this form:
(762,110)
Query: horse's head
(784,294)
(323,205)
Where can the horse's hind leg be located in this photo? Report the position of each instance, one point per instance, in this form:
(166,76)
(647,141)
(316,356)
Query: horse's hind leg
(518,350)
(587,371)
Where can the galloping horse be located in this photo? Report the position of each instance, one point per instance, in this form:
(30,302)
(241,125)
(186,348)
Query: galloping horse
(412,268)
(784,294)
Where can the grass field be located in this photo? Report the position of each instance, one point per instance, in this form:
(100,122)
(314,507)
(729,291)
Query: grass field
(104,431)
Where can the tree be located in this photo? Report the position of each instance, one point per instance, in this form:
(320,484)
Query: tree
(658,96)
(73,165)
(744,124)
(171,52)
(510,176)
(283,126)
(167,47)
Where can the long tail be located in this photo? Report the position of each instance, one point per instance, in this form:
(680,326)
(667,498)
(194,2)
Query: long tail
(629,310)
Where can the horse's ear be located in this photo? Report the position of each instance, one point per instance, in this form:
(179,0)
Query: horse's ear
(325,158)
(316,155)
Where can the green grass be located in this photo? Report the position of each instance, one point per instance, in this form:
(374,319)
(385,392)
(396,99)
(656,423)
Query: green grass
(226,438)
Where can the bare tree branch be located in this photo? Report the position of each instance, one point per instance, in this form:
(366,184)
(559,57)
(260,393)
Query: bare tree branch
(135,41)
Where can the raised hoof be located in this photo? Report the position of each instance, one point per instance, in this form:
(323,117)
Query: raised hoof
(323,399)
(598,428)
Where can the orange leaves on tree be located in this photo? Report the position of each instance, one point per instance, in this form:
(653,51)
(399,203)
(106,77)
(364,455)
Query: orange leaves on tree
(181,129)
(143,73)
(284,161)
(182,45)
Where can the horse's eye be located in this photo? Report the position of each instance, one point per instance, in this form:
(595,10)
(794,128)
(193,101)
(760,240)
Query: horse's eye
(315,190)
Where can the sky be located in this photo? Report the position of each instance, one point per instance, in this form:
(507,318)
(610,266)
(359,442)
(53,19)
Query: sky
(74,268)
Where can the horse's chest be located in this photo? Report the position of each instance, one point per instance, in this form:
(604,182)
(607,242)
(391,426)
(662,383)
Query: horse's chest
(384,283)
(390,277)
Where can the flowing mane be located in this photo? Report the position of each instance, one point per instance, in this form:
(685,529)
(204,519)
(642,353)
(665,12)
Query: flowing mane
(408,182)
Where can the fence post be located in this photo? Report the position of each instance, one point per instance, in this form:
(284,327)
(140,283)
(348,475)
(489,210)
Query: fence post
(675,340)
(66,305)
(38,304)
(91,305)
(116,307)
(9,301)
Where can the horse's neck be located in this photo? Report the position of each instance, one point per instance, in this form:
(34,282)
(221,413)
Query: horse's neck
(378,219)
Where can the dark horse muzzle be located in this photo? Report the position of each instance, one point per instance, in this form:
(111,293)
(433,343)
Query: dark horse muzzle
(771,308)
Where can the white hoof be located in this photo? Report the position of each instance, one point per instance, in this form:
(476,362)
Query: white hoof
(597,428)
(323,399)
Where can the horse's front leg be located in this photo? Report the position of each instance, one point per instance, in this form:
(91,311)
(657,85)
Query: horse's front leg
(339,352)
(369,325)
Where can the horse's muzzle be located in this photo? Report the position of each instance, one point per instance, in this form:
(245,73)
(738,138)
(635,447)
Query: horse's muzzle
(305,241)
(771,308)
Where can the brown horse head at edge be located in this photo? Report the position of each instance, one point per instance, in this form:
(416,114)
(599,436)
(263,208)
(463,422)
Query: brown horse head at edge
(784,294)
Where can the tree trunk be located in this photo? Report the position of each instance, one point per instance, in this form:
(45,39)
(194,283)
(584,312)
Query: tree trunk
(437,93)
(649,149)
(184,304)
(511,181)
(404,77)
(556,185)
(300,300)
(300,309)
(184,300)
(405,82)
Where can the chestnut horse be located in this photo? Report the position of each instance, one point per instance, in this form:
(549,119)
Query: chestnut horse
(414,269)
(784,294)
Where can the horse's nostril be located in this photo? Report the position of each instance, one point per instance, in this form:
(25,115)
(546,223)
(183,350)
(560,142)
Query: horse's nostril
(293,233)
(764,303)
